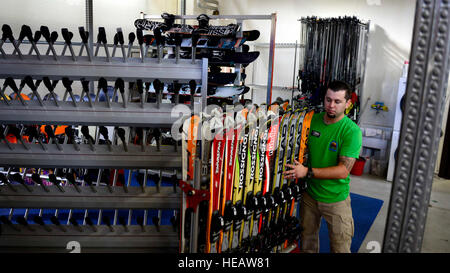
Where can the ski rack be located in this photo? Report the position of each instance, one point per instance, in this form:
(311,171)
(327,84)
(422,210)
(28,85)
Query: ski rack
(189,186)
(239,21)
(361,56)
(87,154)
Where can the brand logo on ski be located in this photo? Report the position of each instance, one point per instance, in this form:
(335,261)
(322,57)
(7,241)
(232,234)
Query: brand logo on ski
(254,146)
(219,146)
(243,161)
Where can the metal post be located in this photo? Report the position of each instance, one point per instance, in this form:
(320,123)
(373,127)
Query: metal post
(204,83)
(271,58)
(90,28)
(293,76)
(195,219)
(421,127)
(183,10)
(364,59)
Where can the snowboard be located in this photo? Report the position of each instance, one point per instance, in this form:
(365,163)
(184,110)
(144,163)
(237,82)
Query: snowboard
(227,91)
(214,221)
(185,29)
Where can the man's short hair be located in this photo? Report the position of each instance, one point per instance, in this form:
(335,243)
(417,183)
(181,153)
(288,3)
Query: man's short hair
(341,86)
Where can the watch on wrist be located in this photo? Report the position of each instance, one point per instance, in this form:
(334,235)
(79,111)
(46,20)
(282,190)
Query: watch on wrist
(310,173)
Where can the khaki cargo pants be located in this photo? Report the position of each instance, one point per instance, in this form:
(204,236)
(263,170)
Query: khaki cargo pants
(339,220)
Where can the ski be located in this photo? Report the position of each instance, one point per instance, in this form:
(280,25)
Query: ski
(227,207)
(276,192)
(302,155)
(214,222)
(282,183)
(248,199)
(239,179)
(269,163)
(189,143)
(265,119)
(289,191)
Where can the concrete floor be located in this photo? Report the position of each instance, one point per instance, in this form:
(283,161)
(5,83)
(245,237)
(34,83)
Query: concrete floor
(437,232)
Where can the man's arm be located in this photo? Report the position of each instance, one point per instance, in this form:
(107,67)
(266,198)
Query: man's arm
(339,171)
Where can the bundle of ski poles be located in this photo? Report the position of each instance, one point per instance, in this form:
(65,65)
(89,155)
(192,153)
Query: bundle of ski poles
(334,50)
(244,203)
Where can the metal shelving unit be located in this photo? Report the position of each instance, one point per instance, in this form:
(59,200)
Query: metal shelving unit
(94,154)
(91,154)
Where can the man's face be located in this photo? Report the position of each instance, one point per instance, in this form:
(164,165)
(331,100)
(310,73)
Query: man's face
(335,103)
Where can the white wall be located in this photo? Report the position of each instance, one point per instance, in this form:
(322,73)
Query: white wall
(389,40)
(71,14)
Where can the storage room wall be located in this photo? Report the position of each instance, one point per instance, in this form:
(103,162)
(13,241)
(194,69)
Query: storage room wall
(391,26)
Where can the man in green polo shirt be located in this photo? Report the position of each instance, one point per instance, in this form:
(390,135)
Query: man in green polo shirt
(334,144)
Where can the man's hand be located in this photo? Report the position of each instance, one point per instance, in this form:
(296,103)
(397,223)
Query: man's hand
(297,171)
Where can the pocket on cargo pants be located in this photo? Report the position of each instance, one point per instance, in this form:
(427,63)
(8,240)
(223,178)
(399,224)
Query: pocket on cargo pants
(340,226)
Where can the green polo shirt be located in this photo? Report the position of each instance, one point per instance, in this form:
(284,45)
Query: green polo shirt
(326,143)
